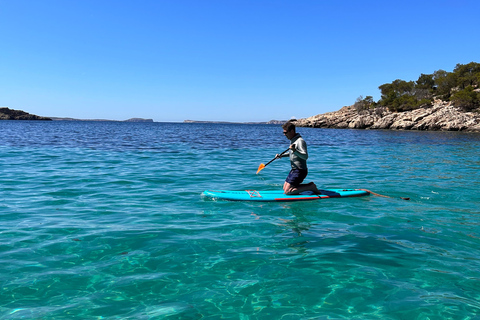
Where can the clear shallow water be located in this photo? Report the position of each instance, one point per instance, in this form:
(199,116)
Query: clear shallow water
(104,220)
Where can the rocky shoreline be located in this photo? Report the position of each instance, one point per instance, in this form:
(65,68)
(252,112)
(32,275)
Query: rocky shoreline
(442,116)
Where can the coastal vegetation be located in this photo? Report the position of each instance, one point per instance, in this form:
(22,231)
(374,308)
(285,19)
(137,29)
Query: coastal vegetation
(460,87)
(10,114)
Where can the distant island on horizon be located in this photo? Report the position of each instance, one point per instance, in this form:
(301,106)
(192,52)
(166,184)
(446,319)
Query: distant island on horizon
(128,120)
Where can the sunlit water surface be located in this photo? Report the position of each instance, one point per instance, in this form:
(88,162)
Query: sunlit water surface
(105,220)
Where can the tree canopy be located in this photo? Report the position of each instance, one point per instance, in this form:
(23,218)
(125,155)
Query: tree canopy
(461,86)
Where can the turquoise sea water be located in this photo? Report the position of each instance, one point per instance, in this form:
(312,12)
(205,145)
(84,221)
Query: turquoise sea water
(105,220)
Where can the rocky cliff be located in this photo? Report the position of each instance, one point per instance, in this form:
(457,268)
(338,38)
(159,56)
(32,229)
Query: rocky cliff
(10,114)
(442,116)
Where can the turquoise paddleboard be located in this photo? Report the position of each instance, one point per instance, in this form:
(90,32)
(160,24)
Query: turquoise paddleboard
(278,195)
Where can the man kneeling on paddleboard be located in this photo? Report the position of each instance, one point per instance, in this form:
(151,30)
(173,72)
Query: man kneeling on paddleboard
(298,159)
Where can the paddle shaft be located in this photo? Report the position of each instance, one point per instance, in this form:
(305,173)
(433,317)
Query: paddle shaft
(281,154)
(381,195)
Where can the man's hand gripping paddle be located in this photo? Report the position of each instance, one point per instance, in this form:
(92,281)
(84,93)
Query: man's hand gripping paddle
(262,166)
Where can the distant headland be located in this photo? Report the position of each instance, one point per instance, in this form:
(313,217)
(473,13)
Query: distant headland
(10,114)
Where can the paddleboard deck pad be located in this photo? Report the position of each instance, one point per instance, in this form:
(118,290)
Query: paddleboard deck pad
(278,195)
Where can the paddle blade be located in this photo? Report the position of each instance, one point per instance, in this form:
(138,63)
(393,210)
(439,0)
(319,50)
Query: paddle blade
(260,167)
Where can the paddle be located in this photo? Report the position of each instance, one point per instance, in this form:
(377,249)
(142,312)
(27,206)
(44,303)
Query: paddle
(381,195)
(262,166)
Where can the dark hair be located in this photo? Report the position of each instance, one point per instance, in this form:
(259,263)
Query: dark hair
(289,125)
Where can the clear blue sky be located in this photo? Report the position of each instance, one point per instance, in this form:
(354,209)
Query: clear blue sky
(231,60)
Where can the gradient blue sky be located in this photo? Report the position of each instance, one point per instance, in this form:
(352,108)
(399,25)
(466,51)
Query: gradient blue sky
(230,60)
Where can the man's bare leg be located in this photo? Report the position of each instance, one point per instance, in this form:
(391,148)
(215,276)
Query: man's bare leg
(291,190)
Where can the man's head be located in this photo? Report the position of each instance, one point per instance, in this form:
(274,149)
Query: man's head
(289,129)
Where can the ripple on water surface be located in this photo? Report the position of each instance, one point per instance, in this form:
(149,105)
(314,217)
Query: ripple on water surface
(106,220)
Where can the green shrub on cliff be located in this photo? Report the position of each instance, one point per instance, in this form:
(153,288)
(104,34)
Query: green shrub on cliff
(364,104)
(467,75)
(467,99)
(460,87)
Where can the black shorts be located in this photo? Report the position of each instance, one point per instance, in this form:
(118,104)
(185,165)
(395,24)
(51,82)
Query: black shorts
(296,177)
